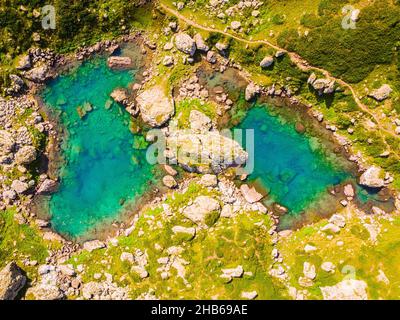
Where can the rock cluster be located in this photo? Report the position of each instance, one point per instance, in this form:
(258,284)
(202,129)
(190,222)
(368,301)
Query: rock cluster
(322,86)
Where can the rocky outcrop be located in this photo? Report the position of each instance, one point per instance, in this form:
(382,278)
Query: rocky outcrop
(372,177)
(169,181)
(12,280)
(119,63)
(209,152)
(47,287)
(38,74)
(93,245)
(26,155)
(382,93)
(155,107)
(47,186)
(251,91)
(119,95)
(202,209)
(185,43)
(250,194)
(346,290)
(322,86)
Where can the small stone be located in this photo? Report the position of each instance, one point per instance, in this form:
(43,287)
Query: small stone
(309,270)
(309,248)
(169,181)
(330,227)
(328,266)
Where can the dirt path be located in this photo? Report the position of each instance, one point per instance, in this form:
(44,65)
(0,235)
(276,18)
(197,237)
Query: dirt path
(300,63)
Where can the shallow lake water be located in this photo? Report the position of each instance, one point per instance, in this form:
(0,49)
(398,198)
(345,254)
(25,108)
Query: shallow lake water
(101,169)
(291,167)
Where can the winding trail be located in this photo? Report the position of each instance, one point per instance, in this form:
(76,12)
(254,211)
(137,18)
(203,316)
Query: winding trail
(300,63)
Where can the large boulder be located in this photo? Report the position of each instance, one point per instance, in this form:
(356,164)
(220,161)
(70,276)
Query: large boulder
(209,152)
(200,43)
(267,62)
(322,86)
(12,280)
(204,210)
(155,107)
(7,142)
(185,43)
(47,287)
(26,155)
(382,93)
(346,290)
(38,74)
(372,177)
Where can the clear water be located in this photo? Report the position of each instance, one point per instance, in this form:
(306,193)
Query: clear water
(291,166)
(101,169)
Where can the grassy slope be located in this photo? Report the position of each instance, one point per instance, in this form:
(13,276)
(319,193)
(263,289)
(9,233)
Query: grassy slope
(242,240)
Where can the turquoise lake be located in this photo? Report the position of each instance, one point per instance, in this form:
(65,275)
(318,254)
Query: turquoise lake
(101,169)
(292,167)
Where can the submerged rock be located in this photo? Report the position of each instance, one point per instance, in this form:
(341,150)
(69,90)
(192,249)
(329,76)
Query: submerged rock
(155,107)
(12,281)
(26,155)
(209,152)
(119,62)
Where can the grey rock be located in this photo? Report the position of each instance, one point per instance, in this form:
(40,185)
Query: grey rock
(346,290)
(185,43)
(200,43)
(382,93)
(24,62)
(199,122)
(47,186)
(12,281)
(38,74)
(25,155)
(372,177)
(155,107)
